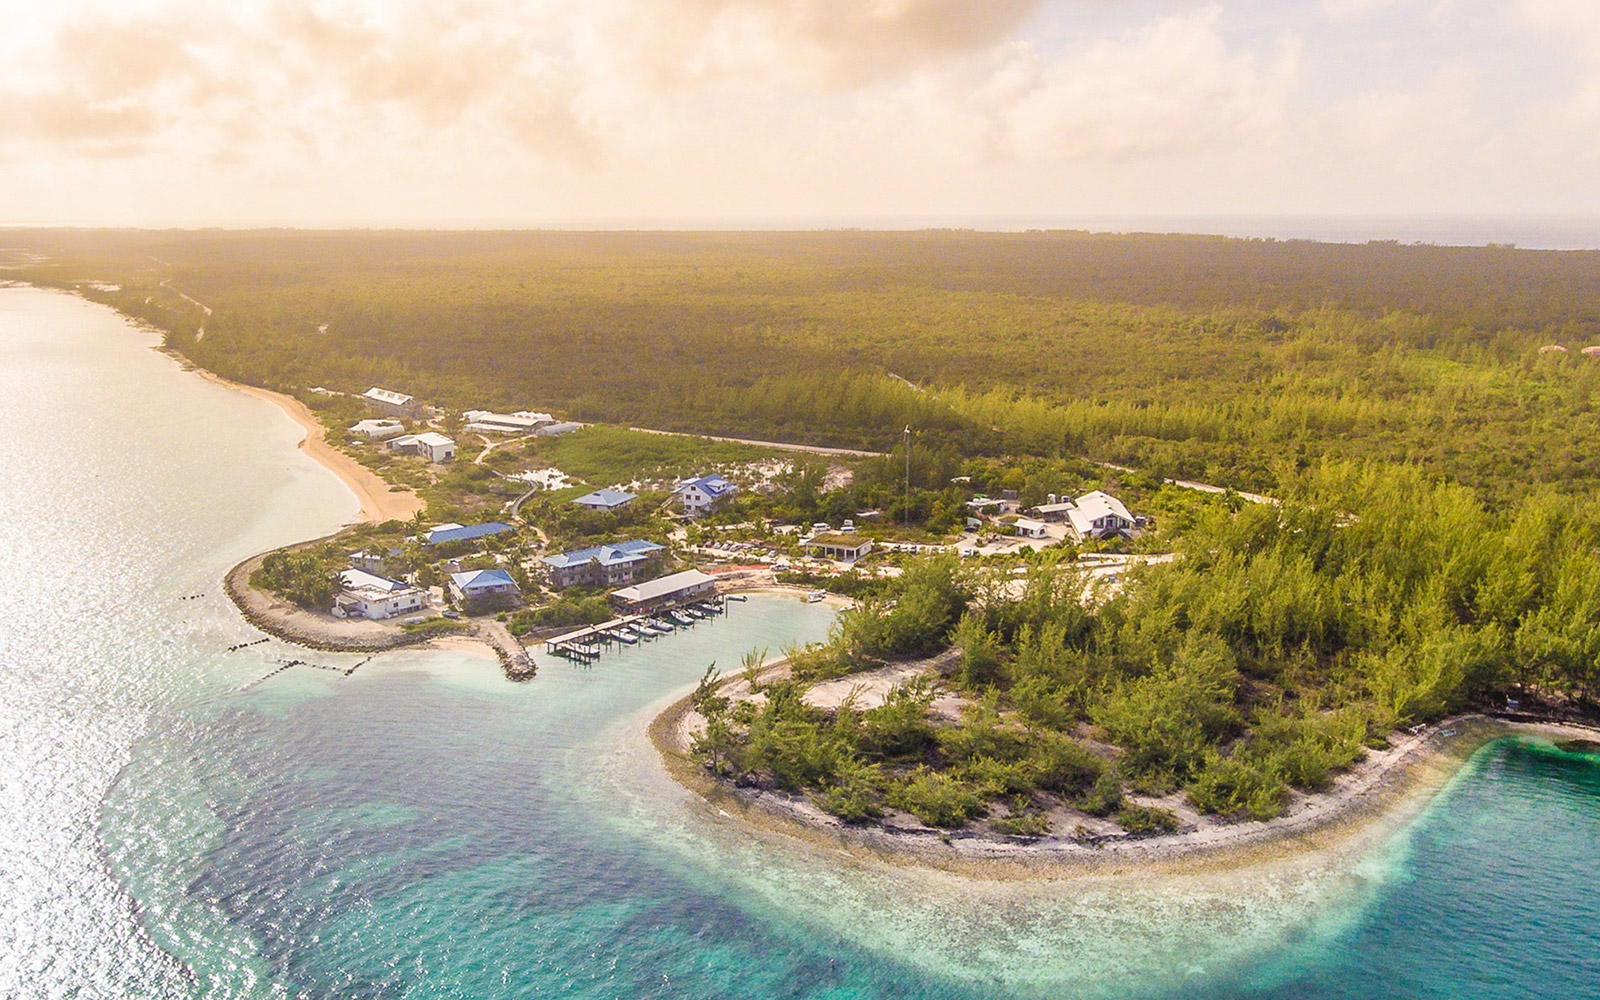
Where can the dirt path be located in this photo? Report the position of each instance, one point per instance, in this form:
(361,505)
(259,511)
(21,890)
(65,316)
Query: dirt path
(776,445)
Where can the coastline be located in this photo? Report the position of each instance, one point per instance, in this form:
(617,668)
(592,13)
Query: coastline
(379,501)
(1379,794)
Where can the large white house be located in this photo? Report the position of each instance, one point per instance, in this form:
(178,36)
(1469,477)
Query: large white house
(435,446)
(521,422)
(367,595)
(704,493)
(395,404)
(378,428)
(1099,515)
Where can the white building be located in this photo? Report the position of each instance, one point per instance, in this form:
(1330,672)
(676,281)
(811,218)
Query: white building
(703,493)
(1054,511)
(1099,515)
(840,546)
(367,595)
(434,446)
(395,404)
(483,585)
(521,422)
(378,428)
(672,589)
(1027,527)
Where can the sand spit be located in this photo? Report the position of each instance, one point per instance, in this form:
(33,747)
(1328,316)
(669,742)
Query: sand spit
(1380,792)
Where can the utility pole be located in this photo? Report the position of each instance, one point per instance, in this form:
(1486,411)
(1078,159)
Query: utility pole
(908,478)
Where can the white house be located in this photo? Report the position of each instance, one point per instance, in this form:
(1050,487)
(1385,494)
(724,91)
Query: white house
(482,584)
(1099,515)
(521,422)
(378,428)
(395,404)
(436,447)
(1027,527)
(704,493)
(367,595)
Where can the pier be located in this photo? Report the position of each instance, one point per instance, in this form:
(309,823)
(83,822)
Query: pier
(585,645)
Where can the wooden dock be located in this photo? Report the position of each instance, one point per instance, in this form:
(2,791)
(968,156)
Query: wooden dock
(584,644)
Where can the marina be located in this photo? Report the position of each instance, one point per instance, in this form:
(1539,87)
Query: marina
(587,644)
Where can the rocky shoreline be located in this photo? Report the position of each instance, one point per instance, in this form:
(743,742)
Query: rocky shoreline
(292,624)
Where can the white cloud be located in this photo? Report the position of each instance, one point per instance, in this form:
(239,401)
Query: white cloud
(504,110)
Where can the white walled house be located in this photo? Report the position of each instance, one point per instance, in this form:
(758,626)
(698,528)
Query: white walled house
(378,428)
(704,493)
(432,445)
(484,585)
(521,422)
(367,595)
(1027,527)
(1099,515)
(394,404)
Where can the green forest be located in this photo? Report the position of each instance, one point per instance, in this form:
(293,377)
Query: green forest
(1194,357)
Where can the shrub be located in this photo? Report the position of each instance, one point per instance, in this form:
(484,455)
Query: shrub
(853,794)
(1141,820)
(1235,788)
(1022,822)
(1063,765)
(937,799)
(1105,797)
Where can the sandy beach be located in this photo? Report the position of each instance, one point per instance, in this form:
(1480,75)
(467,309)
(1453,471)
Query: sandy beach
(379,501)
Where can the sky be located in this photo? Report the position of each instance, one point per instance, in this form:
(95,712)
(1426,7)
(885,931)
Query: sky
(805,112)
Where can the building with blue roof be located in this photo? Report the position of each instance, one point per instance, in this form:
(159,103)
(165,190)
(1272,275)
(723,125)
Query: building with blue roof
(463,532)
(606,499)
(603,565)
(482,586)
(703,493)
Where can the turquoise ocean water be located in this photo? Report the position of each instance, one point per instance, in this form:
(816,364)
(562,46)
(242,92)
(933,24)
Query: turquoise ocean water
(173,825)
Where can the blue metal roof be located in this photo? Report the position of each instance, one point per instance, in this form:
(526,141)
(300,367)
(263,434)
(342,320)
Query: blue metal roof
(458,532)
(713,485)
(619,554)
(476,578)
(605,499)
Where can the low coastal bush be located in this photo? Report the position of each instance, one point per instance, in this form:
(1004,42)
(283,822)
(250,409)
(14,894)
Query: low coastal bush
(1236,788)
(433,626)
(936,799)
(1147,820)
(568,609)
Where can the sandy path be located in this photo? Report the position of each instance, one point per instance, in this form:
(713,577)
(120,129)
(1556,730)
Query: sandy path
(379,501)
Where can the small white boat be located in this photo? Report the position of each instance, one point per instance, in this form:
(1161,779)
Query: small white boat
(815,596)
